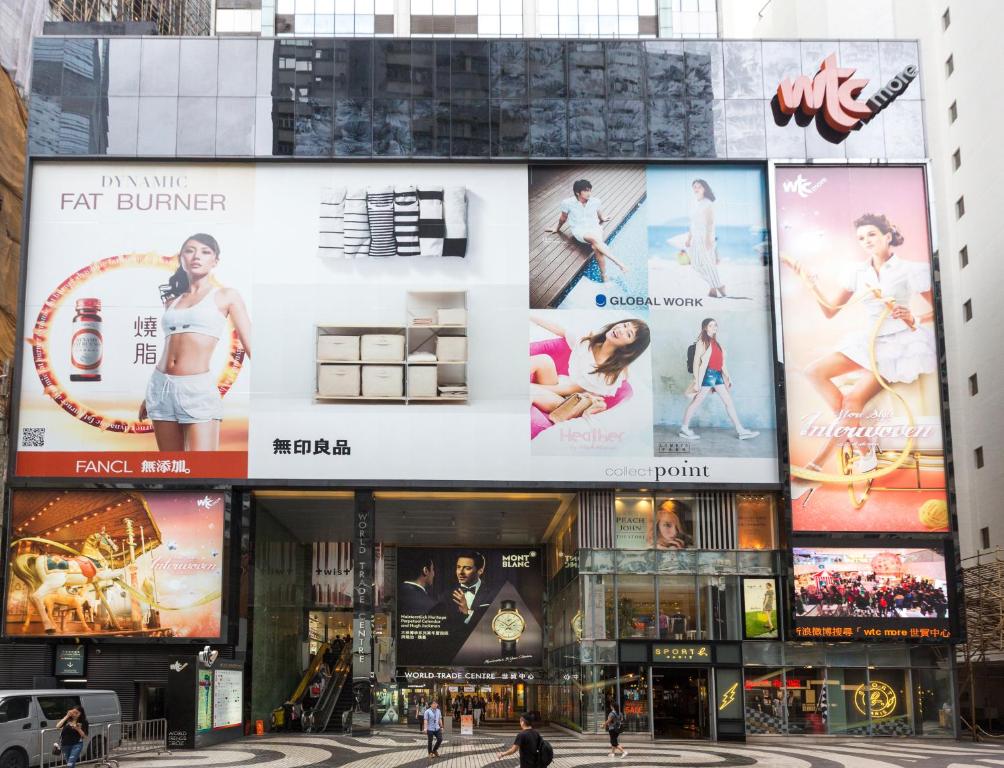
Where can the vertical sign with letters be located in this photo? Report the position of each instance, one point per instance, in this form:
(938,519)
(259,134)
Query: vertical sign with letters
(364,597)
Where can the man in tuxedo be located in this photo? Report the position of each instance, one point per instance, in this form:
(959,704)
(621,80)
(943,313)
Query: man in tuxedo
(471,598)
(415,596)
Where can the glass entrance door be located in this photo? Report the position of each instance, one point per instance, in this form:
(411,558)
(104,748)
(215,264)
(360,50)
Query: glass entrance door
(680,703)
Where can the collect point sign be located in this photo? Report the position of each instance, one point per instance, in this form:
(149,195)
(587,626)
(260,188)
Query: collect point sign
(834,91)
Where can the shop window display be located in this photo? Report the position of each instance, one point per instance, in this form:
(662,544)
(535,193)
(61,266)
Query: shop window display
(677,607)
(636,613)
(763,715)
(846,711)
(803,700)
(634,698)
(719,606)
(932,702)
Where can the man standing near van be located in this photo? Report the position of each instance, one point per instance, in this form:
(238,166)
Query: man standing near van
(433,727)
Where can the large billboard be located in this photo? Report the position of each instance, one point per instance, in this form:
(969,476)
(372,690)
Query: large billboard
(470,607)
(861,591)
(863,403)
(127,564)
(385,310)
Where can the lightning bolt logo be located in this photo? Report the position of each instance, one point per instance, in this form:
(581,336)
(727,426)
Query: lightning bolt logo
(728,697)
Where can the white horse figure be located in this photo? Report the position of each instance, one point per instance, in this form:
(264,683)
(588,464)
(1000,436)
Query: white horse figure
(72,599)
(46,574)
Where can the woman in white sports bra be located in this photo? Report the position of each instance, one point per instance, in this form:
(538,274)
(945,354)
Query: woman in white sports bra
(182,399)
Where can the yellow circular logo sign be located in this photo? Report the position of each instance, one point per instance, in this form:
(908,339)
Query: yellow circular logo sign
(880,697)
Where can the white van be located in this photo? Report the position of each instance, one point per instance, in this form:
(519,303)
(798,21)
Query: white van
(24,714)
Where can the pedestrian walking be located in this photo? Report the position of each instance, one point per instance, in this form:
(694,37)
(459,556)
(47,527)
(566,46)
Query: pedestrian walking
(614,725)
(534,752)
(433,726)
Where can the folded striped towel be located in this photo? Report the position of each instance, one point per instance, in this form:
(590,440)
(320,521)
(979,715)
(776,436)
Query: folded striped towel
(331,242)
(455,217)
(406,221)
(380,207)
(357,225)
(431,230)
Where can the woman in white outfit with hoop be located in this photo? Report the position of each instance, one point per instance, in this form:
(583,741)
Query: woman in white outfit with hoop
(904,345)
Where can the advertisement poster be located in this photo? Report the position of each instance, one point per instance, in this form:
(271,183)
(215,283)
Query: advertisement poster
(760,609)
(669,524)
(115,564)
(650,324)
(864,420)
(470,608)
(392,299)
(871,592)
(204,708)
(138,336)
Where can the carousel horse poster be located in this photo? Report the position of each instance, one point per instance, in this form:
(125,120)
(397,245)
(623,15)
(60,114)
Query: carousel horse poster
(860,352)
(115,563)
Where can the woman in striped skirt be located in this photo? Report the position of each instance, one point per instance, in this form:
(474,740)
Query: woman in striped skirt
(701,238)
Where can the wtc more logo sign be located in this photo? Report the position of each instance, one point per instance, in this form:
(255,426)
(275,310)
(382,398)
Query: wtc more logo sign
(832,95)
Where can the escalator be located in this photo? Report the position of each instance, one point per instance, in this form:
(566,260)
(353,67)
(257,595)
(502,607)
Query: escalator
(320,717)
(317,716)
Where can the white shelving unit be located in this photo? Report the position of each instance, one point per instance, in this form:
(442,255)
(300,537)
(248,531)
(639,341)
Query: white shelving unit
(419,337)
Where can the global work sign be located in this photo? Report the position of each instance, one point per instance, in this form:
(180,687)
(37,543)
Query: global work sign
(832,94)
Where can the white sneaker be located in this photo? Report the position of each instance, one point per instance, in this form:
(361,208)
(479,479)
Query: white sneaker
(747,434)
(624,754)
(688,433)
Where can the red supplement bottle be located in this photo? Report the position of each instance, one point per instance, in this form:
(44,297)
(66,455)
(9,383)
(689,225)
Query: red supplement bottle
(87,344)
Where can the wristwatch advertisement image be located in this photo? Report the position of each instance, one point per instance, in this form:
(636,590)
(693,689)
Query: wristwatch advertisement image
(508,625)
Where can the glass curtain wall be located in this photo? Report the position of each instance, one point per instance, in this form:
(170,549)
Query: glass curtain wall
(848,689)
(674,575)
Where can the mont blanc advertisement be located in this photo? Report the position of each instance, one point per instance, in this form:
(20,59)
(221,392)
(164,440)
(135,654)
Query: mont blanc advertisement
(470,608)
(397,322)
(115,563)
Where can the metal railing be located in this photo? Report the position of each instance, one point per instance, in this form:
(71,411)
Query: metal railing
(106,743)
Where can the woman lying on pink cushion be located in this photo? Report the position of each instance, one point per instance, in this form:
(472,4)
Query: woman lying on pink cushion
(593,363)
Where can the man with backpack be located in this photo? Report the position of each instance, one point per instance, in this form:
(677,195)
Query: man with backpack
(534,752)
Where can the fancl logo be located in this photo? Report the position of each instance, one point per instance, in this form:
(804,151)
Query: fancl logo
(833,92)
(207,503)
(801,186)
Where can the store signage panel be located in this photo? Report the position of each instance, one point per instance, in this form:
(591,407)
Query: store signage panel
(664,653)
(161,552)
(71,660)
(306,346)
(428,676)
(833,91)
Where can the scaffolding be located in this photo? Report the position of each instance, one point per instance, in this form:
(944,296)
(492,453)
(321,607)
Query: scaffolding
(171,17)
(983,584)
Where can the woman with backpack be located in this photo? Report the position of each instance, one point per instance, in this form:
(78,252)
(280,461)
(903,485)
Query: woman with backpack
(710,375)
(614,725)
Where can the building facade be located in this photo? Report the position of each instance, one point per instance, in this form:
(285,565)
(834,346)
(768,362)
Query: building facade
(276,394)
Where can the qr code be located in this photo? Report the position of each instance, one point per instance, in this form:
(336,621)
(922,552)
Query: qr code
(33,437)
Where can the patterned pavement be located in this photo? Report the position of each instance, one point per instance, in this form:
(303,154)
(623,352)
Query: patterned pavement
(405,749)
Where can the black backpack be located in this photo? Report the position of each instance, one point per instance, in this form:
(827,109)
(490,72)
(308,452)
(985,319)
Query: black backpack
(545,752)
(691,351)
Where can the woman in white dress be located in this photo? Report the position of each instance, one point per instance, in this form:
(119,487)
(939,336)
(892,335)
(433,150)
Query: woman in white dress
(904,344)
(597,365)
(702,236)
